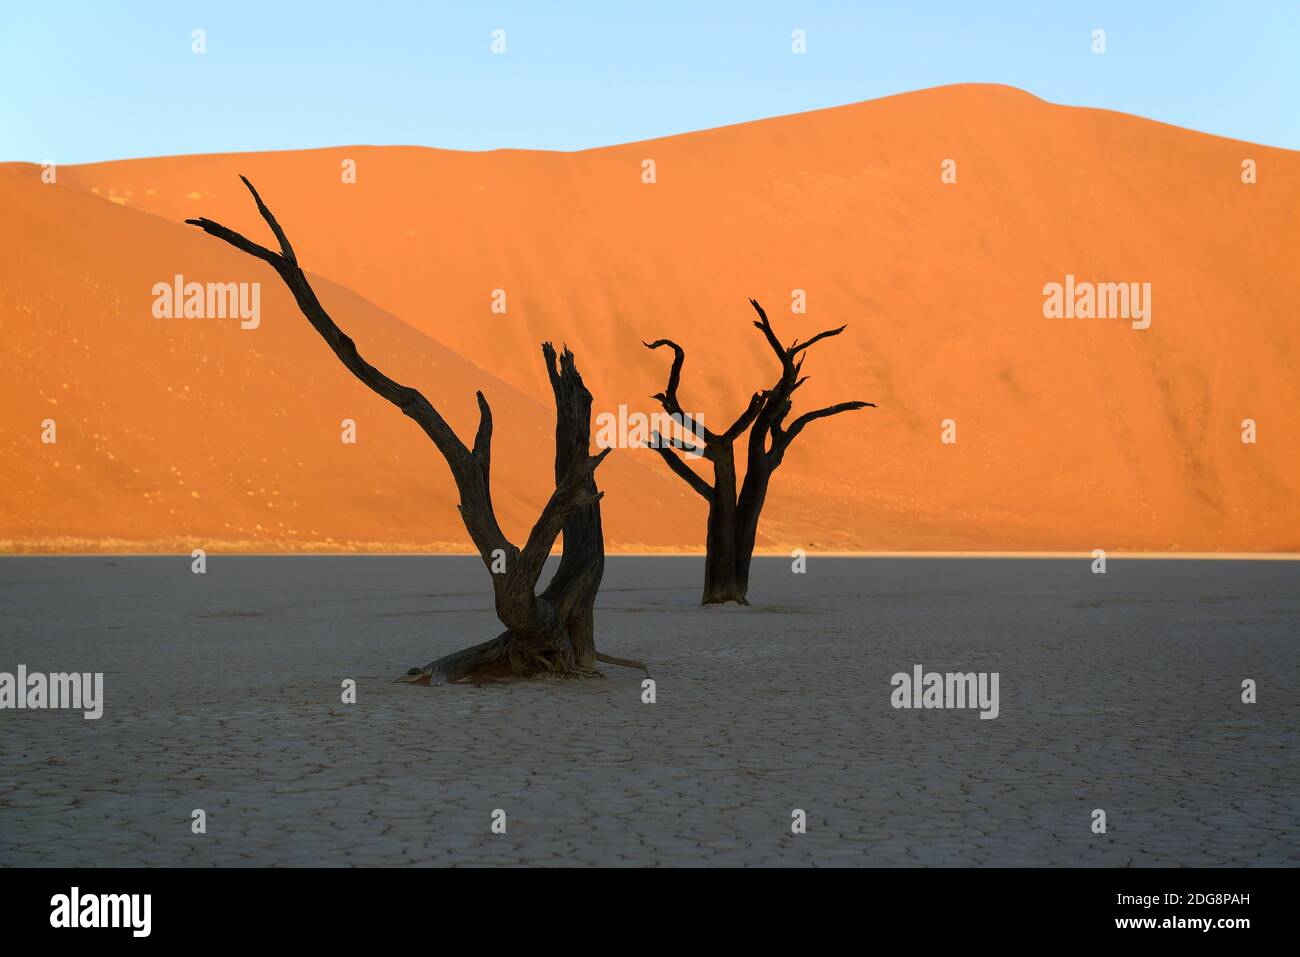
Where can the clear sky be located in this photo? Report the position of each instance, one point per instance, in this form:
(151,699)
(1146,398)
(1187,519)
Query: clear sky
(85,81)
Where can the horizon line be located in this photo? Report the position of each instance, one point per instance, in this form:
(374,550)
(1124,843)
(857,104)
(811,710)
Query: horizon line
(652,139)
(668,553)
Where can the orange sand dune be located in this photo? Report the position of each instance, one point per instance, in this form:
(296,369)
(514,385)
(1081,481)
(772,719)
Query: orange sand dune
(1071,434)
(182,433)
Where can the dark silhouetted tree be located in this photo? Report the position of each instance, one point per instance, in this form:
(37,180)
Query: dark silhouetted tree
(733,510)
(550,634)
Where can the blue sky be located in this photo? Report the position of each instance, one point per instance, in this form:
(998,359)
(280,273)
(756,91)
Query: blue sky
(87,81)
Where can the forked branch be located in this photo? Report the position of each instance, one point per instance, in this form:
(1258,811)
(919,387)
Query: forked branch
(668,398)
(469,468)
(681,469)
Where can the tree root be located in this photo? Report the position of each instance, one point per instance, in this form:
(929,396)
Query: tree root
(484,664)
(624,662)
(504,659)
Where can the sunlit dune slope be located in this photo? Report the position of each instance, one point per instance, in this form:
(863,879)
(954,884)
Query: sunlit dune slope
(1071,434)
(182,433)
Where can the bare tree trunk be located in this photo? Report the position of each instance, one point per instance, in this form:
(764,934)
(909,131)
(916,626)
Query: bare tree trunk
(551,634)
(573,589)
(722,581)
(559,640)
(733,518)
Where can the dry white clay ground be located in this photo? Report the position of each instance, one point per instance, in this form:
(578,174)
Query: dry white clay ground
(1119,692)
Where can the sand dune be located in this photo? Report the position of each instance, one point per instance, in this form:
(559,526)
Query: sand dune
(1072,434)
(181,433)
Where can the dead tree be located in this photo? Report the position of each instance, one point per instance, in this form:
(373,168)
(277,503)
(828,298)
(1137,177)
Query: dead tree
(733,515)
(550,634)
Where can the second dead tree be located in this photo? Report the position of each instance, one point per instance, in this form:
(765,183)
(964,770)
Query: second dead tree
(733,511)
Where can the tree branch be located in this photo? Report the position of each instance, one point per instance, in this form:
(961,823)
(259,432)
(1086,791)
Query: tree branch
(746,418)
(468,469)
(483,439)
(797,347)
(672,442)
(684,471)
(285,249)
(668,398)
(570,495)
(238,241)
(769,334)
(783,437)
